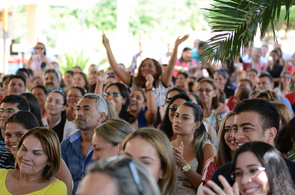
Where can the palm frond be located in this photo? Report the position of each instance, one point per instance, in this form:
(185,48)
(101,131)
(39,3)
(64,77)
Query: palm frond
(235,23)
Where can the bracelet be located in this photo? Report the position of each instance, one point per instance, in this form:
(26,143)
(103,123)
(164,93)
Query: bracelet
(151,89)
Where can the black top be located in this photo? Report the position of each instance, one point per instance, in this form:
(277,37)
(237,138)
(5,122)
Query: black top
(6,160)
(224,171)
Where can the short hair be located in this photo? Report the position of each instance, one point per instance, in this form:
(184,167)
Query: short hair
(266,74)
(114,130)
(18,77)
(51,146)
(22,70)
(52,70)
(247,80)
(36,77)
(78,68)
(268,112)
(41,87)
(23,104)
(70,72)
(162,144)
(30,71)
(183,73)
(245,93)
(119,170)
(279,178)
(223,155)
(253,70)
(101,105)
(202,43)
(25,118)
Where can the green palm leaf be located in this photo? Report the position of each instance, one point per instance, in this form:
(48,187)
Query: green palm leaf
(235,23)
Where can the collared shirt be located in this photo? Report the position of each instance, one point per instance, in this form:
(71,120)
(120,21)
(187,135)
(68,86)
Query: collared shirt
(73,157)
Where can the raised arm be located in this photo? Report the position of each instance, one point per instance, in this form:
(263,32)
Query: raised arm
(101,76)
(151,113)
(167,75)
(123,76)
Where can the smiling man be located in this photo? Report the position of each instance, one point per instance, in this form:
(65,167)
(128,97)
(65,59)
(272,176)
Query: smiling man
(255,120)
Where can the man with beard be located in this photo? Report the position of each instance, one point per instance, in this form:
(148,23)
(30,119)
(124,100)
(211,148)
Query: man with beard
(52,80)
(77,150)
(9,105)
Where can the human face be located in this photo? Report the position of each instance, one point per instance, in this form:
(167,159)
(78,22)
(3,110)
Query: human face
(140,149)
(237,96)
(78,81)
(97,183)
(116,102)
(228,133)
(251,183)
(256,55)
(40,95)
(110,80)
(13,132)
(219,80)
(170,95)
(68,79)
(264,84)
(148,67)
(103,149)
(137,101)
(274,56)
(93,79)
(16,87)
(92,69)
(252,76)
(9,109)
(264,50)
(187,55)
(37,81)
(184,121)
(87,115)
(31,157)
(180,80)
(51,81)
(206,92)
(286,80)
(39,49)
(247,128)
(54,104)
(74,95)
(176,103)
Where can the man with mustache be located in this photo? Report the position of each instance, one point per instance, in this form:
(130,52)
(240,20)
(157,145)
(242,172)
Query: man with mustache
(255,120)
(52,80)
(77,150)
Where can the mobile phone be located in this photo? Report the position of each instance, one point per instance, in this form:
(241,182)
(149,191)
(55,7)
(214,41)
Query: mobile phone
(104,38)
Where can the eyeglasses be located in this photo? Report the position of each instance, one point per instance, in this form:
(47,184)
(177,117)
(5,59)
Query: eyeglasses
(56,101)
(286,77)
(41,48)
(252,172)
(8,111)
(206,90)
(173,108)
(114,94)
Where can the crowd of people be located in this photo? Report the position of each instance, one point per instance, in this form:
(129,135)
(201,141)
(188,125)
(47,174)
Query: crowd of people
(182,127)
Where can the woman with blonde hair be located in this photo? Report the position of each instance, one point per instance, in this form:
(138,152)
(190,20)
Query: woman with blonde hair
(269,95)
(285,114)
(153,148)
(108,138)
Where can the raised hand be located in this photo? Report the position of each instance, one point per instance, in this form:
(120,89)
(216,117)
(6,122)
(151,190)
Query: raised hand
(149,81)
(179,39)
(105,41)
(101,75)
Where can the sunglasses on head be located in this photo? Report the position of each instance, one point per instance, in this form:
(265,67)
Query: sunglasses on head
(168,100)
(114,94)
(173,108)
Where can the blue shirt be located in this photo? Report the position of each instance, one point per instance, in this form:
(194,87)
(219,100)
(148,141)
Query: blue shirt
(287,103)
(73,157)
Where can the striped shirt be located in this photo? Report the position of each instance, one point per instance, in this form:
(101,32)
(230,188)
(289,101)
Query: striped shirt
(6,160)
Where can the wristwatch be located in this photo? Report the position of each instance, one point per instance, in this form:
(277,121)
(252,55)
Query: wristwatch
(151,89)
(186,168)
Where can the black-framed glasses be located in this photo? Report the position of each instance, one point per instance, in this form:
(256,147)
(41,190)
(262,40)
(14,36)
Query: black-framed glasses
(114,94)
(206,90)
(8,111)
(252,172)
(173,108)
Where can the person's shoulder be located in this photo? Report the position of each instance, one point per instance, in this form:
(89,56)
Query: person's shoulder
(56,188)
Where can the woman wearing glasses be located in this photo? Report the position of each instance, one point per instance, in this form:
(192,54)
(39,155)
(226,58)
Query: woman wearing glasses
(118,176)
(212,109)
(57,118)
(284,85)
(257,168)
(151,147)
(175,102)
(38,60)
(73,97)
(191,148)
(117,94)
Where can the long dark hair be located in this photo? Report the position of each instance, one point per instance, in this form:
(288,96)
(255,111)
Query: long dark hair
(34,106)
(166,125)
(286,136)
(184,50)
(279,178)
(59,128)
(200,135)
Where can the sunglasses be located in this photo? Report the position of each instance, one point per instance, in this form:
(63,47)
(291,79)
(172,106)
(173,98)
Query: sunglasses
(206,90)
(41,48)
(114,94)
(173,108)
